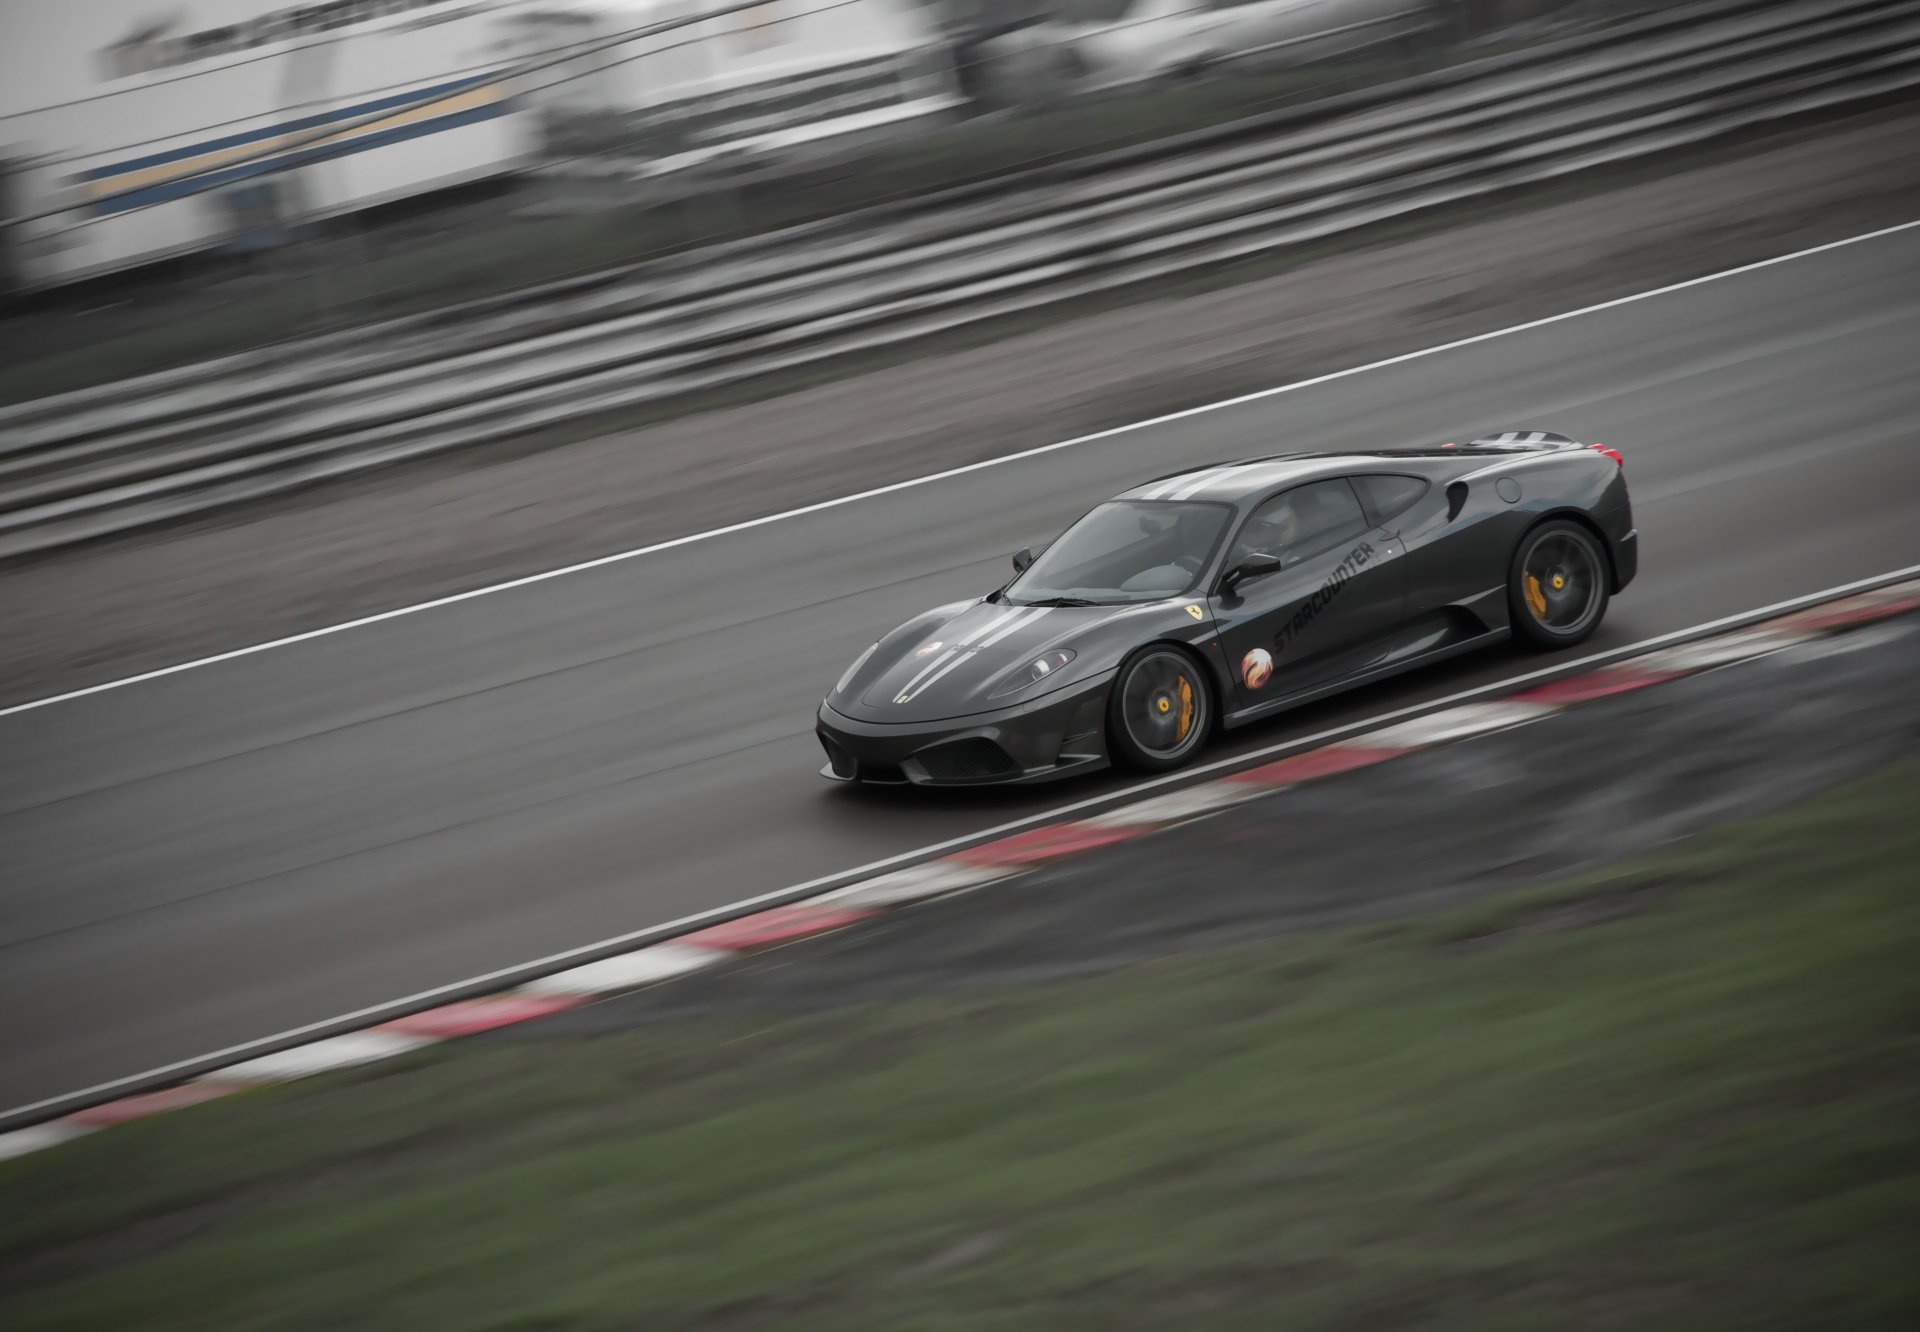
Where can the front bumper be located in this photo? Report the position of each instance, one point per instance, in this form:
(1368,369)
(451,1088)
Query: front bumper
(1054,736)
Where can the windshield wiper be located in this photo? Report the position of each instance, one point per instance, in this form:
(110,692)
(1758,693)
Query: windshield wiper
(1064,601)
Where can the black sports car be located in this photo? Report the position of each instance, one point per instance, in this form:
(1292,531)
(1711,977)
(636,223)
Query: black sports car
(1218,595)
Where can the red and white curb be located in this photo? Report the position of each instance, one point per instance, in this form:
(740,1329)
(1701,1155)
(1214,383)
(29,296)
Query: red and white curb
(967,869)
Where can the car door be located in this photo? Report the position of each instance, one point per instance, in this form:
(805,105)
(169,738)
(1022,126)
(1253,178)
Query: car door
(1330,608)
(1447,563)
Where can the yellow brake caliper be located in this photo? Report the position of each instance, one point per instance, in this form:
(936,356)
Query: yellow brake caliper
(1186,710)
(1536,599)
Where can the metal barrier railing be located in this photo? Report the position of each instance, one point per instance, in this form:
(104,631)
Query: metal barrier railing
(195,439)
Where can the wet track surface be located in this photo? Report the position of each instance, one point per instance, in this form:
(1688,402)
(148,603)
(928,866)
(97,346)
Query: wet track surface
(1585,790)
(225,853)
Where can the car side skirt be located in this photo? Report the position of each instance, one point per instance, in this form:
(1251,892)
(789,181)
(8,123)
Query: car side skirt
(1259,712)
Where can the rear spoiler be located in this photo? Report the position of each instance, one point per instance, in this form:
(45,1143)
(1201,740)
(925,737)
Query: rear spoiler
(1523,441)
(1540,441)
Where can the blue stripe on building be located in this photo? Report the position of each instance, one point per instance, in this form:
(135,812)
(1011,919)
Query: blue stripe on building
(178,189)
(398,101)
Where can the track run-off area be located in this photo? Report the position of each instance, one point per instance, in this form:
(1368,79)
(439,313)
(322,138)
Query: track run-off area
(211,855)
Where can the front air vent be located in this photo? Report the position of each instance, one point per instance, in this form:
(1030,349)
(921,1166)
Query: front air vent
(843,762)
(974,759)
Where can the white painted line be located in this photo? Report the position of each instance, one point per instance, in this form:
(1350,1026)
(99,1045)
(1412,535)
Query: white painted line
(1722,651)
(930,478)
(685,924)
(629,971)
(1893,592)
(1442,728)
(1838,645)
(1882,595)
(915,883)
(1180,805)
(323,1056)
(39,1137)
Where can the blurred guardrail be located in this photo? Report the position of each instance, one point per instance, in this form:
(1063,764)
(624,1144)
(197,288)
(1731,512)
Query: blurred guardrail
(181,442)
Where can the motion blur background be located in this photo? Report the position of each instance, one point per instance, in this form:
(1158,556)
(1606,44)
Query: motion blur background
(297,168)
(136,133)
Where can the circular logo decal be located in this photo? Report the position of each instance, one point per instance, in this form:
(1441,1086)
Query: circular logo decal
(1256,668)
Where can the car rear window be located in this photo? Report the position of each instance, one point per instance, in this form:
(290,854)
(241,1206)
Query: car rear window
(1389,496)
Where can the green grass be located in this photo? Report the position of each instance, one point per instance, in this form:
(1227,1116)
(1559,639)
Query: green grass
(1681,1094)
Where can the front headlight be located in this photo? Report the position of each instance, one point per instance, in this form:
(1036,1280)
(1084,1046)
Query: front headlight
(854,669)
(1035,672)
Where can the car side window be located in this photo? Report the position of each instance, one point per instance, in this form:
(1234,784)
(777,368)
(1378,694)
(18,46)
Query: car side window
(1298,524)
(1389,496)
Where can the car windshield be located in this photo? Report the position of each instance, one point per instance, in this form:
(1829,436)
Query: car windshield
(1125,551)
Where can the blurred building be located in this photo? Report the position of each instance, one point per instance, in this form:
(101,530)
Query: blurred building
(1022,51)
(165,126)
(773,77)
(151,128)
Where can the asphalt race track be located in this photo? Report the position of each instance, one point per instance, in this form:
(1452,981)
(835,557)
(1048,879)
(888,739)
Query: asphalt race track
(228,852)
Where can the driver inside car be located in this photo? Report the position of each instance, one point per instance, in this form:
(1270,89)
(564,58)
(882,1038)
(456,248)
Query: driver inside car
(1272,533)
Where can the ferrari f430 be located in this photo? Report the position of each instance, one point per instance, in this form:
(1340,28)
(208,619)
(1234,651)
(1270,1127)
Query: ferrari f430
(1217,596)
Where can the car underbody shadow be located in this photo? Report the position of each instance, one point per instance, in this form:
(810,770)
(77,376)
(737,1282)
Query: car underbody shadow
(1487,665)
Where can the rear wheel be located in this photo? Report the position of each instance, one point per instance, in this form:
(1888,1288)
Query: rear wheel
(1557,586)
(1160,710)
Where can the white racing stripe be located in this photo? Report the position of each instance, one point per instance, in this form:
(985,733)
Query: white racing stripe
(1166,489)
(1001,461)
(906,691)
(1038,613)
(1258,474)
(914,685)
(1199,483)
(910,693)
(987,627)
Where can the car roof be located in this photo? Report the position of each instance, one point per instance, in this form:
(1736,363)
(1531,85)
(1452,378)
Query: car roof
(1236,480)
(1250,478)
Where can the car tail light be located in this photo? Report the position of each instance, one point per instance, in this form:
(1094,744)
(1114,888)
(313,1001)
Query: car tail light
(1611,453)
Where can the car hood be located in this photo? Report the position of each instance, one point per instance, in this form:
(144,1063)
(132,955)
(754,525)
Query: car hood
(953,669)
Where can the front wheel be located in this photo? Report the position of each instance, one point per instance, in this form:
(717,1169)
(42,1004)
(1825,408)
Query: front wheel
(1557,587)
(1160,710)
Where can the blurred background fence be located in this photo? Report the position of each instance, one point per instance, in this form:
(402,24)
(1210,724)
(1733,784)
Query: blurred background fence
(582,208)
(416,151)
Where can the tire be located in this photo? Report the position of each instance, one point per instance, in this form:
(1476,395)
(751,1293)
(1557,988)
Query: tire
(1153,723)
(1557,585)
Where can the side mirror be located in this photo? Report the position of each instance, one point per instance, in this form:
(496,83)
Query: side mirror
(1021,559)
(1254,566)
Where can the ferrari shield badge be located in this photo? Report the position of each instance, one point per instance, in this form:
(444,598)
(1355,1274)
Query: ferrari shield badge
(1195,612)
